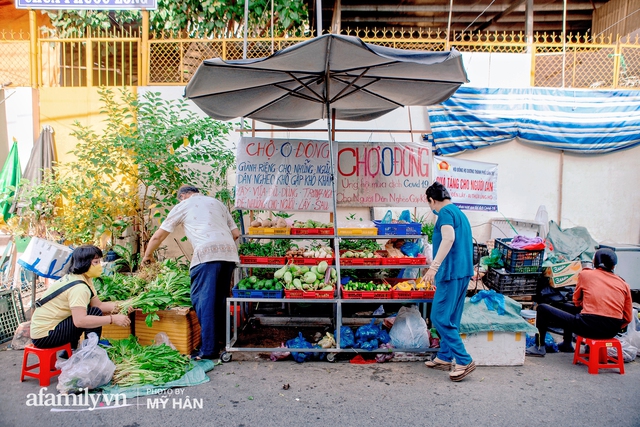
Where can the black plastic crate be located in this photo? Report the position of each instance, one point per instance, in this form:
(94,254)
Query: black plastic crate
(11,314)
(511,283)
(519,260)
(479,250)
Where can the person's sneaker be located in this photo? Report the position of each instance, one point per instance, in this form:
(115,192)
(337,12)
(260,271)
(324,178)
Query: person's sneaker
(536,351)
(565,348)
(461,371)
(439,364)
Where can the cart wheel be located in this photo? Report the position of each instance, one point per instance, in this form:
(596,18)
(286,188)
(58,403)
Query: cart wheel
(225,357)
(254,323)
(331,357)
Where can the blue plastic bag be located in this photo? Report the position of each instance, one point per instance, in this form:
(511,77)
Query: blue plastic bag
(388,218)
(384,337)
(549,343)
(346,337)
(405,216)
(411,249)
(368,332)
(299,342)
(492,299)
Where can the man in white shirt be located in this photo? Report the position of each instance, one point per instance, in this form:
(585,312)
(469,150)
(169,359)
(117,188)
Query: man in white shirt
(212,232)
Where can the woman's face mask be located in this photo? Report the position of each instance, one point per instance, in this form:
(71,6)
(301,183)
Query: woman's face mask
(94,271)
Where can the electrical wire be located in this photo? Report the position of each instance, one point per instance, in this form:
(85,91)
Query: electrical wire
(474,21)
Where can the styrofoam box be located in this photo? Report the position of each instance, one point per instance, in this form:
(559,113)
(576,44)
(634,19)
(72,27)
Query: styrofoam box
(496,348)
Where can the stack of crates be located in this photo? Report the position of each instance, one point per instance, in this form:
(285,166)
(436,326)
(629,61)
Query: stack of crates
(521,273)
(11,313)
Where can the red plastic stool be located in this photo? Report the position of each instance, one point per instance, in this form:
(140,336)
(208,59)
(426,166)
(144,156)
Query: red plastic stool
(598,358)
(46,362)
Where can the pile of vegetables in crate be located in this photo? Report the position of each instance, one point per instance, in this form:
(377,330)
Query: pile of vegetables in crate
(303,278)
(353,285)
(315,251)
(269,223)
(140,365)
(274,248)
(414,285)
(311,224)
(155,287)
(252,282)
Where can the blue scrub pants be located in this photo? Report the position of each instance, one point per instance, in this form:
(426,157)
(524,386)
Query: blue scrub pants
(210,284)
(446,313)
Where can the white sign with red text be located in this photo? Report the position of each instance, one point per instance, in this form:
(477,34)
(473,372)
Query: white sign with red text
(283,175)
(472,185)
(383,173)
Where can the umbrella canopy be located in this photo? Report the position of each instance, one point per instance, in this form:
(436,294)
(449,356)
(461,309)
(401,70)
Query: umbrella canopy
(10,177)
(301,84)
(42,158)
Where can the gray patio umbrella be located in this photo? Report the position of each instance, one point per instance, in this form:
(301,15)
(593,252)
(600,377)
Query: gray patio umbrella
(303,83)
(331,73)
(42,158)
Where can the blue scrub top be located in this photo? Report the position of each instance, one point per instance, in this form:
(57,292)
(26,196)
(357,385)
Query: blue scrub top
(459,261)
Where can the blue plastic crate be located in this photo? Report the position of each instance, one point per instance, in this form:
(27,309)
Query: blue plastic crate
(413,228)
(253,293)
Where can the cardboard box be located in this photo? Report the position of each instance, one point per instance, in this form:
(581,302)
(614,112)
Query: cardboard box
(563,274)
(496,348)
(180,324)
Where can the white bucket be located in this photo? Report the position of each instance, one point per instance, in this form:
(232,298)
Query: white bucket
(529,316)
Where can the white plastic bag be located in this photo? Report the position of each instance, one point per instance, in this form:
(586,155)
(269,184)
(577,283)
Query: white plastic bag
(409,329)
(22,336)
(88,368)
(630,340)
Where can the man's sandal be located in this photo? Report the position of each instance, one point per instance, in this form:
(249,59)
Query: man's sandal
(461,371)
(438,364)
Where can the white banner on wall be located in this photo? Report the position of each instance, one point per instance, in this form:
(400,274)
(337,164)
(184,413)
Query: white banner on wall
(472,185)
(283,175)
(383,173)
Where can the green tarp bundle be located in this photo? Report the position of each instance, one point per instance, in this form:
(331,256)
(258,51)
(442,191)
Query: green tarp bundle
(476,317)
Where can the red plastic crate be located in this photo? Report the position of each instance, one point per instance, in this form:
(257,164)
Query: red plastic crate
(295,294)
(351,261)
(412,294)
(312,261)
(365,294)
(314,231)
(251,259)
(277,260)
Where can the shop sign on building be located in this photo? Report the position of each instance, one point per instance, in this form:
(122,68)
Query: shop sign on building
(472,185)
(87,4)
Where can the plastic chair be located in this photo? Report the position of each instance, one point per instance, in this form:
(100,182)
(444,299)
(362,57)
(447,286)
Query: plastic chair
(46,362)
(598,358)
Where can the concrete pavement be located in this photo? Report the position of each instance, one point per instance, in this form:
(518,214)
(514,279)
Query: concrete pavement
(252,392)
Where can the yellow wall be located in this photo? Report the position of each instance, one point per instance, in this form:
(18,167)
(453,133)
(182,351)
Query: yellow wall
(61,107)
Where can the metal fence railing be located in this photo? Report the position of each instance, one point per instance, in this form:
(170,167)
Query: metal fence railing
(127,59)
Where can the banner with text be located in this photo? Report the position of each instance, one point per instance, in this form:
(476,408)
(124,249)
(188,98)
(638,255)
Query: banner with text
(472,185)
(383,174)
(87,4)
(283,175)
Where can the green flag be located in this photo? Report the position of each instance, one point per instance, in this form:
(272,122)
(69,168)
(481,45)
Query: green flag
(10,177)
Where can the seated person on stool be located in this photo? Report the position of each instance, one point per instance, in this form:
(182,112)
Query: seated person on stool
(63,318)
(605,302)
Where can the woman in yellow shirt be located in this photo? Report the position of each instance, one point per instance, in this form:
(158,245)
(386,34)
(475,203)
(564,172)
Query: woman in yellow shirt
(70,306)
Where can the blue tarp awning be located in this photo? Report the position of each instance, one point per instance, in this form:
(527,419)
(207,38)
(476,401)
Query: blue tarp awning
(582,121)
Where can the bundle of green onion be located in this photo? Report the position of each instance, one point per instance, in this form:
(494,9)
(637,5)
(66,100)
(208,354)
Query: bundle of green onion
(139,365)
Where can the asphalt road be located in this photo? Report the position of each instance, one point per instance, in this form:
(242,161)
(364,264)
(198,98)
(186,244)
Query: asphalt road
(544,392)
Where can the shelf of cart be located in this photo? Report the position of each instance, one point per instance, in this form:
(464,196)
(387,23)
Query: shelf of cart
(381,301)
(380,237)
(286,236)
(382,267)
(231,300)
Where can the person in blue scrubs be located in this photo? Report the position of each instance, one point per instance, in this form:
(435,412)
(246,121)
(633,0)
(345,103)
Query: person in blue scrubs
(450,272)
